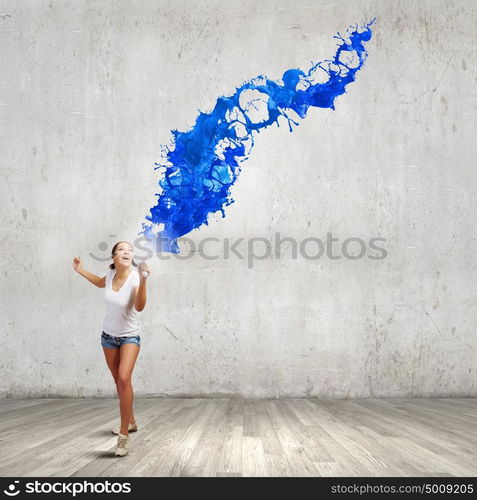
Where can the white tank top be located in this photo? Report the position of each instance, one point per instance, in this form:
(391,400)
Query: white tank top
(121,317)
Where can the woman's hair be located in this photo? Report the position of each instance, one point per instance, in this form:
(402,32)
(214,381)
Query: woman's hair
(113,252)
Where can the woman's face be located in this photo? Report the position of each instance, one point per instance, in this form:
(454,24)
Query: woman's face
(124,255)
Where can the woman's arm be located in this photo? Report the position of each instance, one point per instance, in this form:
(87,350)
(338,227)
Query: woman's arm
(140,298)
(93,278)
(96,280)
(140,301)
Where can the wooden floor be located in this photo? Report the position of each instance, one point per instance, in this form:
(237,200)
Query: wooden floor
(241,437)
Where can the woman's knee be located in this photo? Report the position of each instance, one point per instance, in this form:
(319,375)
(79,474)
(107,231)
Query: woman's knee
(123,381)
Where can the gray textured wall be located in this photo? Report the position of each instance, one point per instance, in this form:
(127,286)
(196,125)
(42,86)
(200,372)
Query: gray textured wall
(88,92)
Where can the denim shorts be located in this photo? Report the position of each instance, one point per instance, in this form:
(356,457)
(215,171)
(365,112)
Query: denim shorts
(113,342)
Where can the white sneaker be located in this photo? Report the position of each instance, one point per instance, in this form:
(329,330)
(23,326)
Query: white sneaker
(122,446)
(131,428)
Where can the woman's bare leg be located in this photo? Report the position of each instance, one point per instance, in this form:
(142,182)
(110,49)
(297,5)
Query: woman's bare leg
(112,356)
(128,356)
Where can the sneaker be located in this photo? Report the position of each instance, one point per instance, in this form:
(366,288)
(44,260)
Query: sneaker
(122,446)
(131,428)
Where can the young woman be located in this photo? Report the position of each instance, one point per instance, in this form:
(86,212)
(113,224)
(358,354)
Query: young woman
(125,296)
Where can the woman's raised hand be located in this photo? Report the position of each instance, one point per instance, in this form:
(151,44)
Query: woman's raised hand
(144,270)
(77,264)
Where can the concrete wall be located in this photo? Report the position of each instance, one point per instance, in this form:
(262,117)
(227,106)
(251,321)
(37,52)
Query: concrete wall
(90,90)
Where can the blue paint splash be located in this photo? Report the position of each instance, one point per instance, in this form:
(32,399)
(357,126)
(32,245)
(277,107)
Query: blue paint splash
(204,162)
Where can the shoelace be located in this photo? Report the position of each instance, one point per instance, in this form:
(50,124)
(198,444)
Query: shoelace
(122,442)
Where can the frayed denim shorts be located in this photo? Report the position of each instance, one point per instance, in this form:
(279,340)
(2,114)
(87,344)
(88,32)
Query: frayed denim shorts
(114,342)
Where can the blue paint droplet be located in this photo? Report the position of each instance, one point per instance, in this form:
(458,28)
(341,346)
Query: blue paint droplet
(203,163)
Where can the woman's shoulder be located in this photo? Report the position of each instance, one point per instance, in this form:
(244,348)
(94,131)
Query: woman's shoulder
(109,274)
